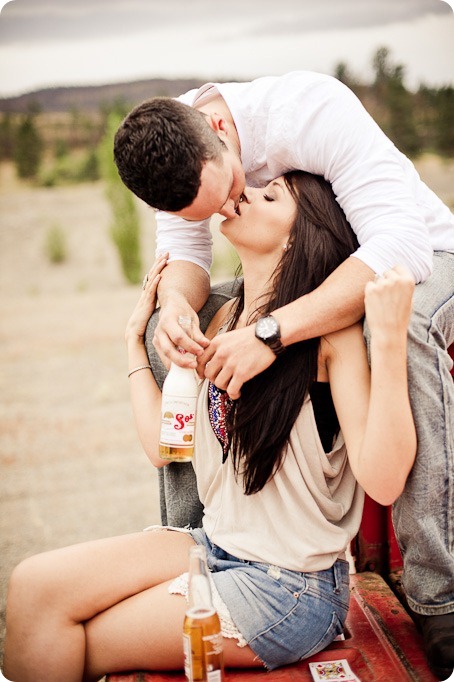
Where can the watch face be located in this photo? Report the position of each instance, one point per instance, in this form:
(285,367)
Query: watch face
(267,327)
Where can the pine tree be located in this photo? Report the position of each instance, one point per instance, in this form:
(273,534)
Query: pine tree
(6,137)
(444,123)
(395,103)
(28,148)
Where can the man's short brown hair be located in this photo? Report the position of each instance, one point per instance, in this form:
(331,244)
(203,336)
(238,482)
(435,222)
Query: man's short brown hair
(160,149)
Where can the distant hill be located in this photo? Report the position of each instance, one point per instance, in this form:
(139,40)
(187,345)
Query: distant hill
(91,98)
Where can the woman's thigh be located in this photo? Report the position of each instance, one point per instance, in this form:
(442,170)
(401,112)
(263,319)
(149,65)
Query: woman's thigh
(145,632)
(83,580)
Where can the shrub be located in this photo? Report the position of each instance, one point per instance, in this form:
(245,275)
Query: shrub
(125,229)
(88,171)
(55,245)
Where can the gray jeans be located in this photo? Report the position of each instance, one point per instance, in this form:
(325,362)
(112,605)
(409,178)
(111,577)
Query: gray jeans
(424,514)
(179,500)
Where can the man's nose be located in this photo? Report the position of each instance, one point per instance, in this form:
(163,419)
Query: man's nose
(228,210)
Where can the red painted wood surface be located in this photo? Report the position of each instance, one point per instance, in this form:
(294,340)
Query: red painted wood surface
(381,645)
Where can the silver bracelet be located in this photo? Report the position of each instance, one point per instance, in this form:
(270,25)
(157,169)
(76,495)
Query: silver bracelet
(137,369)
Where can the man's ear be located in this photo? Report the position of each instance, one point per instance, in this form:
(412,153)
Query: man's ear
(218,124)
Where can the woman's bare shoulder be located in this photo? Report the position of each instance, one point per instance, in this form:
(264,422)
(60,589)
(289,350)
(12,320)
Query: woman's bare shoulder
(342,339)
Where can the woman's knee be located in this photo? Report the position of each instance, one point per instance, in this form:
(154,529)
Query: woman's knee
(32,584)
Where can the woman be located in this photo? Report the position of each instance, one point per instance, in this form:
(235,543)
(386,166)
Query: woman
(282,497)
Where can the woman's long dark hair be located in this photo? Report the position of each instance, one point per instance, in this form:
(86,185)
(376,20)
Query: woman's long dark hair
(261,420)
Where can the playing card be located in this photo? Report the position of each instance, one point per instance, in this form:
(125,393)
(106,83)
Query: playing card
(332,671)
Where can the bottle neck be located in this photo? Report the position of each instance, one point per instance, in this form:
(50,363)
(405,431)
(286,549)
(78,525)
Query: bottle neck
(199,584)
(182,371)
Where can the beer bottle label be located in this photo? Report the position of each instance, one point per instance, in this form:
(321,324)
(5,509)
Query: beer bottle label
(213,643)
(213,646)
(187,657)
(177,421)
(194,667)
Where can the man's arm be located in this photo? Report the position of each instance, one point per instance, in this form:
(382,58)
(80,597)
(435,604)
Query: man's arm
(331,134)
(184,287)
(337,303)
(237,356)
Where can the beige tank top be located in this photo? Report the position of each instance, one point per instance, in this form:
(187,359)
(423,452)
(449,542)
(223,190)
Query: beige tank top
(302,520)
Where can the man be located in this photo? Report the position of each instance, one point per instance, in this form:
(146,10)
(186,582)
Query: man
(191,158)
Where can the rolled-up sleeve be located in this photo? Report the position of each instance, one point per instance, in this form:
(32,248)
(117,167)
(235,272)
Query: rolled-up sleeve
(184,239)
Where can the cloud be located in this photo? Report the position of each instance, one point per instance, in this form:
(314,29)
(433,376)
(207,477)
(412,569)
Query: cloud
(44,21)
(332,15)
(46,43)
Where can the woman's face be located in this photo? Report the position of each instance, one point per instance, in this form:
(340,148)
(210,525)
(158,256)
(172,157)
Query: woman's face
(265,217)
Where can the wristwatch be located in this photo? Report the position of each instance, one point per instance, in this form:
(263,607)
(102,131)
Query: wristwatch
(268,331)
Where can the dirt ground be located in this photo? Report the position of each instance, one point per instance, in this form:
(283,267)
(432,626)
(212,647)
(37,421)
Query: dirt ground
(71,465)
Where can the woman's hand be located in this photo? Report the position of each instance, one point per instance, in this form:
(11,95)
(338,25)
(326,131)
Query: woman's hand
(137,323)
(388,303)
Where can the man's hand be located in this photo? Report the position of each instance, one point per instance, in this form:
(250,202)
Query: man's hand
(233,358)
(169,336)
(183,289)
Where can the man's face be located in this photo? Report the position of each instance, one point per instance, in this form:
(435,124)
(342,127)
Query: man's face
(222,183)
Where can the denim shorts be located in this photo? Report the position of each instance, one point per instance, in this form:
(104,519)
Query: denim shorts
(284,615)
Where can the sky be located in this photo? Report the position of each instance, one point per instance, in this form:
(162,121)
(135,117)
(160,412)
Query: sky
(48,43)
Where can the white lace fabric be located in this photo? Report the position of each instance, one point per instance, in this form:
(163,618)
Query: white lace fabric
(229,630)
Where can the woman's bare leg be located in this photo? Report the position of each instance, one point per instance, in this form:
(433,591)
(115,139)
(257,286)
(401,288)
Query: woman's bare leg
(52,595)
(144,632)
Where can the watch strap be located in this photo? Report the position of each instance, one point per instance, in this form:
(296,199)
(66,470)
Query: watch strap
(276,346)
